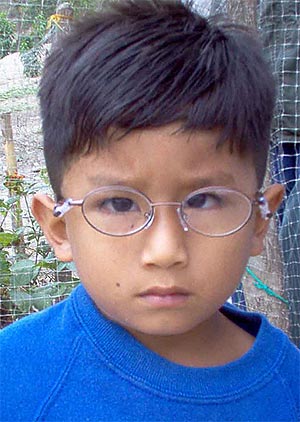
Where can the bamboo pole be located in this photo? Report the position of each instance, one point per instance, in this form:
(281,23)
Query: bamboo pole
(9,148)
(12,171)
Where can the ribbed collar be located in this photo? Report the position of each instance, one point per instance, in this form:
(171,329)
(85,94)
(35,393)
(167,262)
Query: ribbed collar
(131,360)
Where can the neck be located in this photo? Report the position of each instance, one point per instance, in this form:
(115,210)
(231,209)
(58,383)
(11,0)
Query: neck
(215,342)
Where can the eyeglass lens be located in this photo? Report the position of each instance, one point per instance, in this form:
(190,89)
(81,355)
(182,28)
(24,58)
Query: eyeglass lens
(116,212)
(212,212)
(216,212)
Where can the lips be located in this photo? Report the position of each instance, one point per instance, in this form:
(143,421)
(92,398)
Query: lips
(165,296)
(164,291)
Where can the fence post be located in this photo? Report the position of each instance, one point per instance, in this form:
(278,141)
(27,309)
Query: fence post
(12,171)
(6,129)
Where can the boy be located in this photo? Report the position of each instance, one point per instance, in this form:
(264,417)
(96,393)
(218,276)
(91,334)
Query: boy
(156,126)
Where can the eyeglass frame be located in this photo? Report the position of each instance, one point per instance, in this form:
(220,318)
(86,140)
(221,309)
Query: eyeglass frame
(65,205)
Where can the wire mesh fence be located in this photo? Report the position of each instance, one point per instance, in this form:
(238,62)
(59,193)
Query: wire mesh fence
(279,23)
(30,276)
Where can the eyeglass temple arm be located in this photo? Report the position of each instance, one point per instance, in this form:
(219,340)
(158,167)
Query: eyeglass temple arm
(61,208)
(263,205)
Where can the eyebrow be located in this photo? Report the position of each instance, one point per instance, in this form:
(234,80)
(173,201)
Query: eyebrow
(104,180)
(218,179)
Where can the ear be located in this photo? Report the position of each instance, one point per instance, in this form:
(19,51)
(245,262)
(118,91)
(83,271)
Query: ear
(273,195)
(54,228)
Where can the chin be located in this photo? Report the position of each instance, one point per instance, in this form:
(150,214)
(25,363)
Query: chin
(163,329)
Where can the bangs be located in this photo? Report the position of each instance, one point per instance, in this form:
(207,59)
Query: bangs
(124,70)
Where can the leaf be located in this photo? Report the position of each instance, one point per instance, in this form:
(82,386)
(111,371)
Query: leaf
(66,288)
(62,266)
(4,269)
(70,266)
(41,303)
(44,296)
(23,272)
(47,264)
(21,299)
(3,205)
(7,239)
(13,200)
(35,187)
(20,231)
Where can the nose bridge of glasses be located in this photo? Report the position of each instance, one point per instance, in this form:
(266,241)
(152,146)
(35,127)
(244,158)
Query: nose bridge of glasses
(162,203)
(178,209)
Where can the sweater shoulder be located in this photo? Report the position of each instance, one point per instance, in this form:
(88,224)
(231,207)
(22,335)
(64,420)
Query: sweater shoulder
(289,373)
(37,332)
(34,352)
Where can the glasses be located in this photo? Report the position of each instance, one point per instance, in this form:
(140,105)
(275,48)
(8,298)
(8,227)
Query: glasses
(123,211)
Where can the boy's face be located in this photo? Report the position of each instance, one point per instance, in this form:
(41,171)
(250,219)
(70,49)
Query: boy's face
(117,271)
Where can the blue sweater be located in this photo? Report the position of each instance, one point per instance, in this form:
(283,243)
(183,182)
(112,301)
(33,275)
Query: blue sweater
(69,363)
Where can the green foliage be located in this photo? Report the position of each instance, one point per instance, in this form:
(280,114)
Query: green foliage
(31,279)
(7,36)
(27,24)
(29,46)
(18,93)
(33,62)
(35,14)
(80,6)
(26,43)
(39,26)
(36,33)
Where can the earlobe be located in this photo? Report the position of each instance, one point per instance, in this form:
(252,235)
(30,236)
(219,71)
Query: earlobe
(53,228)
(273,196)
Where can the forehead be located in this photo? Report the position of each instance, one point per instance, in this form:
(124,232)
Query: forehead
(165,156)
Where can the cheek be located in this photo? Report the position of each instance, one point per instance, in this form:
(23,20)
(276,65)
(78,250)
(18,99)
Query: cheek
(99,270)
(103,263)
(222,262)
(237,257)
(91,250)
(96,261)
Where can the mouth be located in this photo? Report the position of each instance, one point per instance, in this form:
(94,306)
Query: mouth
(165,296)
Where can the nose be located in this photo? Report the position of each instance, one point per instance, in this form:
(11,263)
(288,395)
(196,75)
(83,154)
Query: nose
(165,240)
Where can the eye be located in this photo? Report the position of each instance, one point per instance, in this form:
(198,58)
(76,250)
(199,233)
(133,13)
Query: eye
(118,205)
(205,200)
